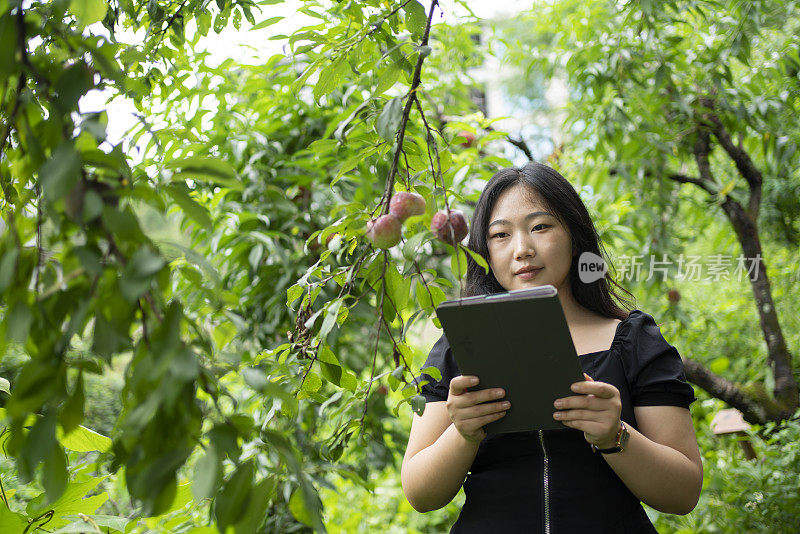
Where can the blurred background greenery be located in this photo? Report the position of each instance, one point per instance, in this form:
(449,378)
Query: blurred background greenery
(234,167)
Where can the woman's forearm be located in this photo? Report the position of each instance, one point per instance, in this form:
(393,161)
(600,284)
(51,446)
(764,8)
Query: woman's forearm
(433,476)
(660,476)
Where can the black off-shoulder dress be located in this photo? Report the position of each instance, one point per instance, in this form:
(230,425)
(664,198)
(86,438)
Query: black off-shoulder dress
(550,481)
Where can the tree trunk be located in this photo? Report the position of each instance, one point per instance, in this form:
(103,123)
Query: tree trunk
(780,360)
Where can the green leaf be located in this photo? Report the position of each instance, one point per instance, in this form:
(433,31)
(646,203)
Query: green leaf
(209,169)
(11,523)
(181,495)
(83,439)
(225,439)
(423,297)
(71,85)
(60,173)
(438,298)
(257,508)
(330,78)
(418,404)
(478,259)
(389,120)
(74,500)
(7,266)
(433,372)
(8,41)
(387,79)
(110,521)
(458,263)
(348,381)
(255,256)
(5,386)
(312,382)
(180,194)
(18,322)
(72,413)
(138,273)
(292,294)
(54,474)
(39,443)
(397,287)
(416,19)
(88,11)
(300,507)
(234,497)
(265,23)
(78,526)
(331,372)
(330,318)
(255,378)
(411,245)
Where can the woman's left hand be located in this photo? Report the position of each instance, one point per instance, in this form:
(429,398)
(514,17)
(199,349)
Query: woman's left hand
(596,411)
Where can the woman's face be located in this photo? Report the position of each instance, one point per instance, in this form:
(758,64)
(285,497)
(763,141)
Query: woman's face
(522,233)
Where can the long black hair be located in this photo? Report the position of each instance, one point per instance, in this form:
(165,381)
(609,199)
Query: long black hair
(603,296)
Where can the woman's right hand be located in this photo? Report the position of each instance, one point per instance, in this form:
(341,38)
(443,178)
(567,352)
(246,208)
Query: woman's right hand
(466,414)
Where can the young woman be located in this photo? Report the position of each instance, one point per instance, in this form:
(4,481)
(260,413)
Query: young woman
(628,433)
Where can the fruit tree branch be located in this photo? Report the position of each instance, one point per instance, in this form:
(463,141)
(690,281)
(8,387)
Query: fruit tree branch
(744,164)
(387,195)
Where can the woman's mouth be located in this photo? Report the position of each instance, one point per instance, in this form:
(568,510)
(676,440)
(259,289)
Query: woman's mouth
(529,275)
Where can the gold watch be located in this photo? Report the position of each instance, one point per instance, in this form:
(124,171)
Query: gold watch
(622,441)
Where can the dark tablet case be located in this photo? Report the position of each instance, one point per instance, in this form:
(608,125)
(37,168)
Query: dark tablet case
(519,341)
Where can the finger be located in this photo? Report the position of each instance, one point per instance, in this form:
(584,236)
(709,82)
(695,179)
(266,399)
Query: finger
(598,389)
(579,401)
(459,384)
(485,395)
(588,378)
(478,422)
(581,415)
(481,410)
(473,423)
(590,428)
(482,396)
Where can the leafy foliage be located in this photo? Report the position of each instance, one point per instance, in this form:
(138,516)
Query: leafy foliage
(182,252)
(214,261)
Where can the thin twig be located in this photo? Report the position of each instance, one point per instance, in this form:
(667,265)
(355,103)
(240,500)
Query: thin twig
(38,236)
(144,323)
(377,25)
(387,195)
(379,309)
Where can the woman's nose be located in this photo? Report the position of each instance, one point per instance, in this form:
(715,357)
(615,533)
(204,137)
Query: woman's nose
(524,247)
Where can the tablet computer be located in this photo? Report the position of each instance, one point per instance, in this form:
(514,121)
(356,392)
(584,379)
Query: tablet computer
(519,341)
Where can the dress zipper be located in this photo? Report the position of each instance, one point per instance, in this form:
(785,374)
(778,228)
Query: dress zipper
(546,478)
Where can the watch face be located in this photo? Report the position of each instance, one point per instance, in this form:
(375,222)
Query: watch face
(623,438)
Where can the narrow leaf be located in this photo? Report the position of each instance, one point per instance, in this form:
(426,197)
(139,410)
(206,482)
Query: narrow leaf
(389,120)
(265,23)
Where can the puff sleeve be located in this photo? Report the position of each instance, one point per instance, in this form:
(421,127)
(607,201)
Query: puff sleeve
(441,357)
(653,368)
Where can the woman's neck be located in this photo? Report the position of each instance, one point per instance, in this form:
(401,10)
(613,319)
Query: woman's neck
(574,313)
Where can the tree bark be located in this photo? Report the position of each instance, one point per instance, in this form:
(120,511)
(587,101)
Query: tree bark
(754,412)
(779,357)
(744,224)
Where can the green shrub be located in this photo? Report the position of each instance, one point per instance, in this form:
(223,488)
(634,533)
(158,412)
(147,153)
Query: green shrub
(747,496)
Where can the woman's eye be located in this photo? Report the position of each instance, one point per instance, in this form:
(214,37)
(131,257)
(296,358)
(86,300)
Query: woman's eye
(540,226)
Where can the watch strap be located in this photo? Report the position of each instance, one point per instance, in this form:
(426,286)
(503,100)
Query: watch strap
(621,441)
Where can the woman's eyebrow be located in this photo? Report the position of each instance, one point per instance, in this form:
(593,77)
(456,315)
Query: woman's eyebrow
(527,218)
